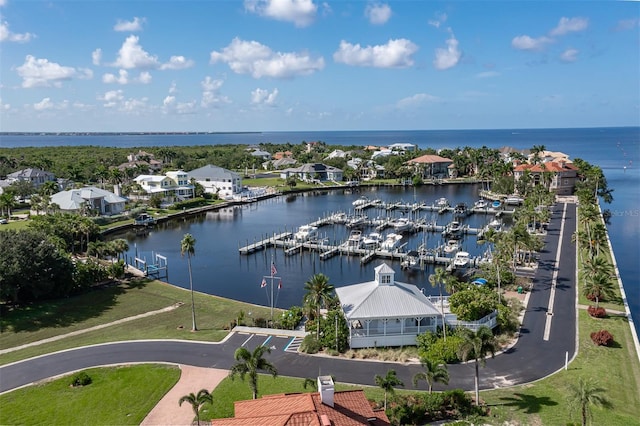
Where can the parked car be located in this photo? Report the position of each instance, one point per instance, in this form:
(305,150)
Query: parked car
(3,221)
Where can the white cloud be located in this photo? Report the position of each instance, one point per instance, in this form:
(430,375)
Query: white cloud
(377,13)
(111,98)
(258,60)
(3,3)
(415,100)
(395,54)
(487,74)
(449,57)
(144,77)
(569,55)
(132,55)
(524,42)
(301,12)
(3,106)
(263,97)
(121,78)
(627,24)
(210,93)
(130,26)
(96,56)
(441,18)
(42,73)
(43,105)
(177,63)
(134,106)
(173,88)
(7,35)
(168,101)
(569,25)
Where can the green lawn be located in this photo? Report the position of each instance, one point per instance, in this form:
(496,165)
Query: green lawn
(54,318)
(116,396)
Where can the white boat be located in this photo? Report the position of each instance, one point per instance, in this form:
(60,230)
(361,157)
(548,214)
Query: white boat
(360,201)
(372,240)
(401,224)
(513,200)
(495,224)
(306,233)
(411,261)
(461,259)
(391,242)
(340,217)
(354,241)
(452,246)
(452,228)
(144,219)
(481,204)
(442,202)
(356,221)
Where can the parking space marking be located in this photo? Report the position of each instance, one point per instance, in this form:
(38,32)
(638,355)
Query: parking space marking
(266,341)
(289,344)
(245,342)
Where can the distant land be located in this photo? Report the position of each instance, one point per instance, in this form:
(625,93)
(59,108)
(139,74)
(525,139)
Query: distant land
(119,133)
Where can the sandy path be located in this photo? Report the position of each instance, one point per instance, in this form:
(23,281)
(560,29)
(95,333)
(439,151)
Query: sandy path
(192,379)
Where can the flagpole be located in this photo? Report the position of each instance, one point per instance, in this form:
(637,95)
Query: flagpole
(271,272)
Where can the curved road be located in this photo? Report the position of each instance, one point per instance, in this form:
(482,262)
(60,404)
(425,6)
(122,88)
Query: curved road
(548,333)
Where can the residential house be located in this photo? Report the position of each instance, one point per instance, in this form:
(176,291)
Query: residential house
(261,154)
(142,158)
(385,312)
(313,172)
(336,153)
(562,175)
(402,146)
(35,176)
(325,407)
(89,200)
(173,186)
(367,170)
(216,180)
(279,163)
(282,154)
(431,166)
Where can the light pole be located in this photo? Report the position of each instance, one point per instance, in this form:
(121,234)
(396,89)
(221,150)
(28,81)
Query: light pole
(336,332)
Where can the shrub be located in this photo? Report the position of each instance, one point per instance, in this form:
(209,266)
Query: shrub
(602,338)
(446,351)
(597,312)
(81,379)
(310,344)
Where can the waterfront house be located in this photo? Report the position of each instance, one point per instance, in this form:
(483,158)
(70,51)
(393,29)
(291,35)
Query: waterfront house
(431,166)
(562,175)
(324,407)
(385,312)
(313,172)
(216,180)
(89,200)
(367,169)
(279,163)
(173,186)
(36,177)
(402,146)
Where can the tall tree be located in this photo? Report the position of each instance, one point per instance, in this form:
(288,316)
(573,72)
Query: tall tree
(318,293)
(388,384)
(583,395)
(434,372)
(438,279)
(197,401)
(476,346)
(188,246)
(598,286)
(249,363)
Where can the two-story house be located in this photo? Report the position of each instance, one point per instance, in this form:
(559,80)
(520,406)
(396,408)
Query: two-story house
(173,186)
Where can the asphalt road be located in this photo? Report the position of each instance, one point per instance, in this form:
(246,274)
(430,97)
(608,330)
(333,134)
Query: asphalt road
(531,358)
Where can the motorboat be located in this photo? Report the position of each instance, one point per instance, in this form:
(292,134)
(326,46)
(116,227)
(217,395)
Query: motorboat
(144,219)
(340,217)
(306,233)
(355,240)
(391,242)
(452,228)
(452,246)
(411,260)
(495,224)
(360,201)
(401,224)
(461,259)
(460,209)
(481,204)
(442,202)
(356,221)
(372,240)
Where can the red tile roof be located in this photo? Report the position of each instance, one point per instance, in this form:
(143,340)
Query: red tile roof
(551,166)
(350,408)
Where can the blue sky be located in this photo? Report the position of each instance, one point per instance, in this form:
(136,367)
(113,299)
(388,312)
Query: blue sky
(279,65)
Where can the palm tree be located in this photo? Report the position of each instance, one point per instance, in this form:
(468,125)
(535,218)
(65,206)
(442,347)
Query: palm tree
(187,245)
(249,363)
(318,294)
(598,286)
(476,345)
(388,383)
(583,395)
(596,265)
(434,372)
(197,401)
(438,279)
